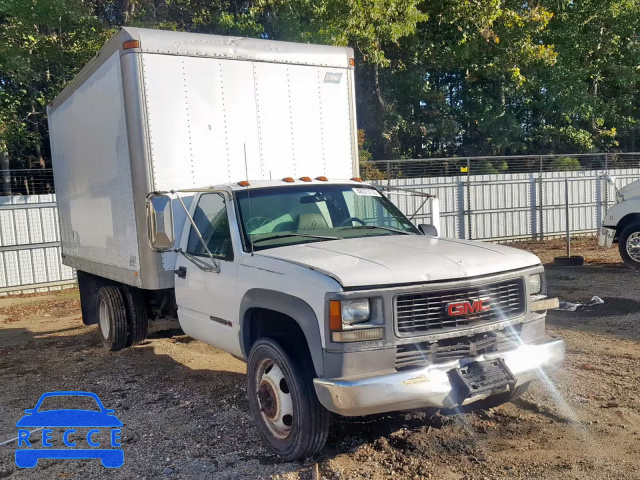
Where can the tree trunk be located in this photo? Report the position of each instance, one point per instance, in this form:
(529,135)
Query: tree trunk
(376,77)
(36,130)
(161,10)
(5,177)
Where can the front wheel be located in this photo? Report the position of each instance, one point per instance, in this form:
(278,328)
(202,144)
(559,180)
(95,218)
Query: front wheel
(629,245)
(282,400)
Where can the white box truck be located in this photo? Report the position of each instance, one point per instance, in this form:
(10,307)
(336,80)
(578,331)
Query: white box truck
(621,224)
(214,180)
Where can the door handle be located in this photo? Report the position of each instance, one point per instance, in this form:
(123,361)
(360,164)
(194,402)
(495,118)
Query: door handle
(181,272)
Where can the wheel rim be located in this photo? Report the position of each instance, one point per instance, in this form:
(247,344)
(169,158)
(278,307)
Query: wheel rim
(633,246)
(103,314)
(274,398)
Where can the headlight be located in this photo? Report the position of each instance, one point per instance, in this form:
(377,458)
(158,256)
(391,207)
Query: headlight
(355,311)
(535,284)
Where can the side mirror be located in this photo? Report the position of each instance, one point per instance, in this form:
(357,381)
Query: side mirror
(428,229)
(160,222)
(611,180)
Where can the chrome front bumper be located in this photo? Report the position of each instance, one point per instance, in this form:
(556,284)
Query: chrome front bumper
(605,239)
(429,386)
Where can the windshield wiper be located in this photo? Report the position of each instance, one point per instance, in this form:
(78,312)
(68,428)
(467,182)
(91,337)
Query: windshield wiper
(287,235)
(370,227)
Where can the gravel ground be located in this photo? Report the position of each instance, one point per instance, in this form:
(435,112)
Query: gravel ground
(184,407)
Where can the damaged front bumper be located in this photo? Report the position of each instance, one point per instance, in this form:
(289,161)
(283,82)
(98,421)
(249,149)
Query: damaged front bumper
(429,386)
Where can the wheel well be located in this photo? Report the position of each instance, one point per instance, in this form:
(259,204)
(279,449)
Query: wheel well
(626,221)
(159,303)
(264,323)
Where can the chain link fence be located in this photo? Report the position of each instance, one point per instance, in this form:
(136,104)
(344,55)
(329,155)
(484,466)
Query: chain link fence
(481,198)
(509,198)
(26,182)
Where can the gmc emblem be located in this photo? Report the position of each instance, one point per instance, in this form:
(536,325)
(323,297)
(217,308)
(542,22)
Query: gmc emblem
(456,309)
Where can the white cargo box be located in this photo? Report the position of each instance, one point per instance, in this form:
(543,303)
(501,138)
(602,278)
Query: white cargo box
(159,110)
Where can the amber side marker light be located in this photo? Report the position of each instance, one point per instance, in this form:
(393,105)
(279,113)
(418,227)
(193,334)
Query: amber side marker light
(244,183)
(131,44)
(352,62)
(322,179)
(356,179)
(335,315)
(288,179)
(305,179)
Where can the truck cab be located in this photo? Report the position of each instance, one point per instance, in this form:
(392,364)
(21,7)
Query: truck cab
(621,223)
(340,304)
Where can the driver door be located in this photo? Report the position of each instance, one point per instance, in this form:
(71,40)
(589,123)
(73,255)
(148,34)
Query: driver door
(206,307)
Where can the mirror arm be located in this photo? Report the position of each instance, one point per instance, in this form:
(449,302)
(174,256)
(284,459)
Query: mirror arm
(204,266)
(216,267)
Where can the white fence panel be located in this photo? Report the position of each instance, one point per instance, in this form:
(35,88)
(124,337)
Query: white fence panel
(30,256)
(500,207)
(493,207)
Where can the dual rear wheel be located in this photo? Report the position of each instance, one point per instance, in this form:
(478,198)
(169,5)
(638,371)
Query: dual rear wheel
(122,317)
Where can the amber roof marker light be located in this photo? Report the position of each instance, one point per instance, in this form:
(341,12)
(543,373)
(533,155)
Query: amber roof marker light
(322,179)
(288,179)
(244,183)
(305,179)
(129,44)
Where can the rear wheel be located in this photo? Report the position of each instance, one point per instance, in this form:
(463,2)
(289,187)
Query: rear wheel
(112,318)
(282,400)
(137,319)
(629,245)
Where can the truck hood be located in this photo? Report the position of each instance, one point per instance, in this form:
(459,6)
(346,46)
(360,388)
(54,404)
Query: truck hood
(402,259)
(631,190)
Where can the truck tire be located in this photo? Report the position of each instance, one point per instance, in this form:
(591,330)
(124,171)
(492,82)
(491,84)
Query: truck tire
(282,400)
(137,319)
(112,318)
(493,401)
(629,245)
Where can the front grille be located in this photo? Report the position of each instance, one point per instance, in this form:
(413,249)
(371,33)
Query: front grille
(426,312)
(416,355)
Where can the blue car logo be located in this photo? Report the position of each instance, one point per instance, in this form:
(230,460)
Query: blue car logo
(27,455)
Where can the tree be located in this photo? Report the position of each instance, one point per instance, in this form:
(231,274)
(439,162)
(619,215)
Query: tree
(446,78)
(42,45)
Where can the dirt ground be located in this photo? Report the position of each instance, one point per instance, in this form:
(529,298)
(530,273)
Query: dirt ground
(184,408)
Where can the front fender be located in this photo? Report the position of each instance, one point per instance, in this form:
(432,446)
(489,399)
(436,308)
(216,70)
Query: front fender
(619,211)
(293,307)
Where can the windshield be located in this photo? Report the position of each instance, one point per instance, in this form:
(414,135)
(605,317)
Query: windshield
(279,216)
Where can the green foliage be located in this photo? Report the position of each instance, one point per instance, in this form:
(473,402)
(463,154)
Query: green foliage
(42,45)
(563,164)
(446,78)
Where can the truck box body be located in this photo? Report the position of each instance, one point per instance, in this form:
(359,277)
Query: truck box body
(180,110)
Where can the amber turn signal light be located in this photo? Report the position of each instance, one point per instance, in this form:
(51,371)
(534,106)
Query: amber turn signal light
(335,315)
